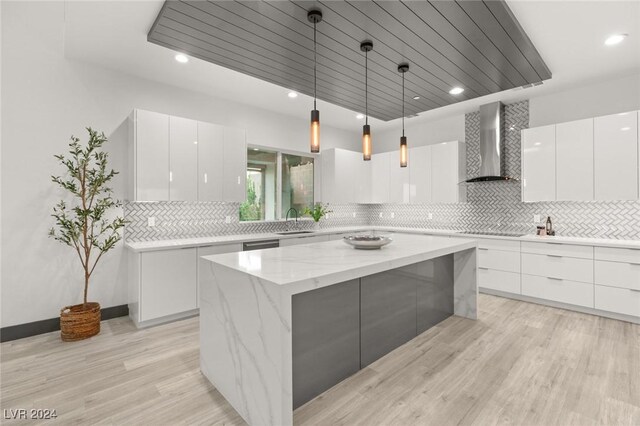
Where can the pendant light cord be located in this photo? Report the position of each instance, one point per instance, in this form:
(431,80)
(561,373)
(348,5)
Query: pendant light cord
(315,65)
(403,104)
(366,86)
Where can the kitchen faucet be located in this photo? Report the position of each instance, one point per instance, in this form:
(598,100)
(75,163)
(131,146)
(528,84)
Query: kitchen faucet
(287,217)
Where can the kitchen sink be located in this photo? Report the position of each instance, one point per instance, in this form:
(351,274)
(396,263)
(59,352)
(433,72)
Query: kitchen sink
(294,232)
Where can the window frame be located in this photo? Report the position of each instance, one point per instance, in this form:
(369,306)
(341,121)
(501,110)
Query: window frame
(279,151)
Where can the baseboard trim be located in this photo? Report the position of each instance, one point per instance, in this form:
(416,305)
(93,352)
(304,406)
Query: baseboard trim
(20,331)
(560,305)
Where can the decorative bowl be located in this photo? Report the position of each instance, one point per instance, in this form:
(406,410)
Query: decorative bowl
(367,242)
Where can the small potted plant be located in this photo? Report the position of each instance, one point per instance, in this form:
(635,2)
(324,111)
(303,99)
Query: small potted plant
(317,212)
(85,226)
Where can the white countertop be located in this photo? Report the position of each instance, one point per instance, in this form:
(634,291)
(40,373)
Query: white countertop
(142,246)
(334,261)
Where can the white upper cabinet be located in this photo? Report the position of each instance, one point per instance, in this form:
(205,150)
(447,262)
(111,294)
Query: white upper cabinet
(616,156)
(339,171)
(178,159)
(150,144)
(380,174)
(399,187)
(235,165)
(538,164)
(574,161)
(210,161)
(362,170)
(446,172)
(420,175)
(183,159)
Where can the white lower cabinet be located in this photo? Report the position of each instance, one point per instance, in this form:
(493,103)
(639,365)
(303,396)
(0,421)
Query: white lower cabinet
(499,280)
(167,283)
(559,290)
(555,266)
(621,300)
(303,240)
(499,259)
(617,274)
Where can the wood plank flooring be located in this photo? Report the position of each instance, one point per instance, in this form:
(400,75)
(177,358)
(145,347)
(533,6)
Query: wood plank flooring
(520,363)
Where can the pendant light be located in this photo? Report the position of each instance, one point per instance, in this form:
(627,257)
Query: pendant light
(366,47)
(315,16)
(403,68)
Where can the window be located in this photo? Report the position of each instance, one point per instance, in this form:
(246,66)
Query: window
(276,182)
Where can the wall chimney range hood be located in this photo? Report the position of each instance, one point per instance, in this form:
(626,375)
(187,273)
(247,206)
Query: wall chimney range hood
(491,131)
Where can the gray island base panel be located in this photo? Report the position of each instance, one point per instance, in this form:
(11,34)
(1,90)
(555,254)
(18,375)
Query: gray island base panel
(269,313)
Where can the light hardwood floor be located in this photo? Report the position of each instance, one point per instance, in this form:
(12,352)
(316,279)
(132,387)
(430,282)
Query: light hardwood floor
(520,363)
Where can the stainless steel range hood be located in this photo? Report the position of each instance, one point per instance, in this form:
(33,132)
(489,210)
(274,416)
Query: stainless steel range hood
(491,131)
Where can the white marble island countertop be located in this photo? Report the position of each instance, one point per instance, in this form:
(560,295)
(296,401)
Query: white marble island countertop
(309,266)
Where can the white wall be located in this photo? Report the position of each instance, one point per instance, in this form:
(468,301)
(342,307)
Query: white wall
(421,133)
(47,98)
(612,96)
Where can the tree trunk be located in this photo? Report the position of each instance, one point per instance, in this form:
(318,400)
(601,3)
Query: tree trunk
(86,286)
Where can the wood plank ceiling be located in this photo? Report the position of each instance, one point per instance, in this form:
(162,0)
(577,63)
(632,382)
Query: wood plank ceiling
(476,45)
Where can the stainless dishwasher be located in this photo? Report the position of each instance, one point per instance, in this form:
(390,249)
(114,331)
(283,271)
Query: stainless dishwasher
(259,245)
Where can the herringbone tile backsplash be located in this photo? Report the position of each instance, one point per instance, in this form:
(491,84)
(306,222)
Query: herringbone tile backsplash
(498,206)
(489,206)
(175,219)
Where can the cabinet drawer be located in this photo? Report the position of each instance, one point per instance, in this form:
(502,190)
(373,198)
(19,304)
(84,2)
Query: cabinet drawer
(568,268)
(303,240)
(565,291)
(506,245)
(620,300)
(617,274)
(499,259)
(499,280)
(618,254)
(557,249)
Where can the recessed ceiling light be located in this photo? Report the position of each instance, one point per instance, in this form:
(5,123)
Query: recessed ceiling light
(293,94)
(614,39)
(360,116)
(624,129)
(256,149)
(183,59)
(416,97)
(456,91)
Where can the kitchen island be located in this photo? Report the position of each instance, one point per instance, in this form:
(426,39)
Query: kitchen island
(280,326)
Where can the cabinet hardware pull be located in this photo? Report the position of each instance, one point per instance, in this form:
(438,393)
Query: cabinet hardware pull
(634,290)
(210,245)
(634,264)
(483,268)
(554,255)
(482,248)
(555,279)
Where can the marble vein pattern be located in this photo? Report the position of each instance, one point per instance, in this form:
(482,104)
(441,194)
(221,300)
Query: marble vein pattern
(245,310)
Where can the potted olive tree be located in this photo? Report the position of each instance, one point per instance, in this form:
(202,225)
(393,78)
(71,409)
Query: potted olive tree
(85,226)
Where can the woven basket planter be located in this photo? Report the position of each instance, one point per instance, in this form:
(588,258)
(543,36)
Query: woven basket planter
(79,322)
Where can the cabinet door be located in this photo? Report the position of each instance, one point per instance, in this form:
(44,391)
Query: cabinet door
(616,157)
(325,338)
(380,178)
(420,175)
(210,162)
(151,156)
(168,283)
(574,161)
(235,165)
(398,180)
(362,179)
(538,164)
(183,159)
(444,172)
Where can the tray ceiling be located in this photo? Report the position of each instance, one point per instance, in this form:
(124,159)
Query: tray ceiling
(477,45)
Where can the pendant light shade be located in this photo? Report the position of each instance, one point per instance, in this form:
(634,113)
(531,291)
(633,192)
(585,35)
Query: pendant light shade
(404,153)
(314,16)
(367,148)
